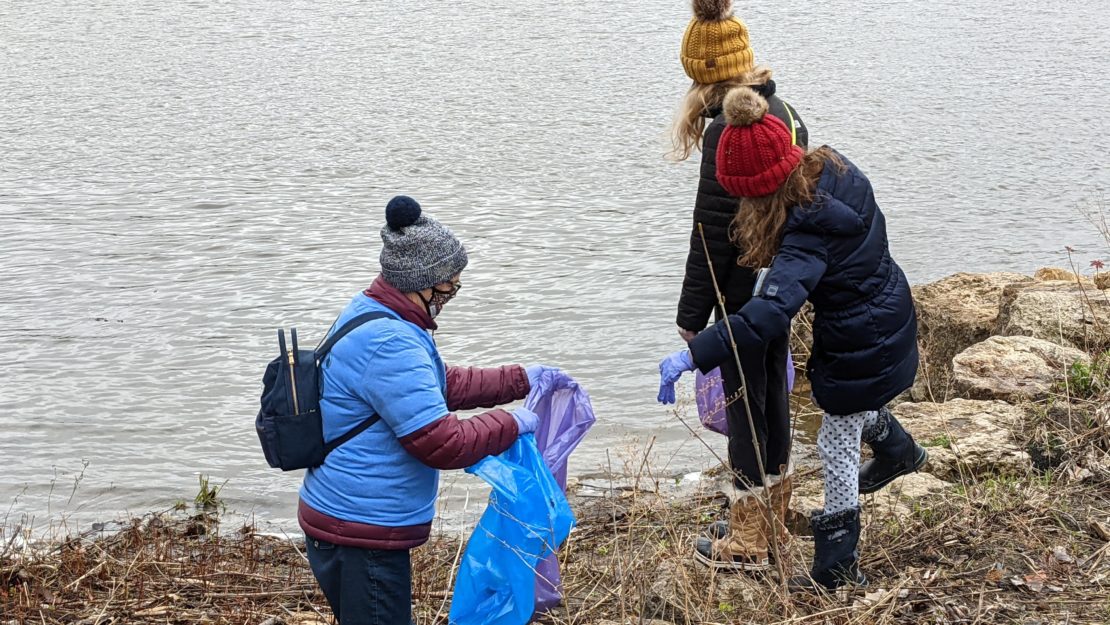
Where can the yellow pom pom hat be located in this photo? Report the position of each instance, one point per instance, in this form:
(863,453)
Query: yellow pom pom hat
(715,47)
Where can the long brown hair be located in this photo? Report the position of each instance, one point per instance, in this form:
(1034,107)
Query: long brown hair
(757,227)
(689,123)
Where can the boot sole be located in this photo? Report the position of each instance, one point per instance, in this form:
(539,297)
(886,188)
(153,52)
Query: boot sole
(920,462)
(721,565)
(842,592)
(784,547)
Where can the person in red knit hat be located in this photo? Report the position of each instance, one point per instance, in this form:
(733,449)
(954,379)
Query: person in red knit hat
(811,223)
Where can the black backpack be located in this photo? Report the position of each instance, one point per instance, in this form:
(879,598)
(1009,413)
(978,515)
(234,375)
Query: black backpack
(289,424)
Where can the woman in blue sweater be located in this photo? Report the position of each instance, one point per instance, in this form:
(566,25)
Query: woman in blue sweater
(812,221)
(373,499)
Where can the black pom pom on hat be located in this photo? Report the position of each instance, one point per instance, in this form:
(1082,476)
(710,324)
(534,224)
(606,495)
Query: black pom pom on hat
(402,211)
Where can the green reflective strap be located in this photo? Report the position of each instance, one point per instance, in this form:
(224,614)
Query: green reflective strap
(793,126)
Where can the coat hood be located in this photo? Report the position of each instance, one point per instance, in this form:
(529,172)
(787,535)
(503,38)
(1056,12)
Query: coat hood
(843,206)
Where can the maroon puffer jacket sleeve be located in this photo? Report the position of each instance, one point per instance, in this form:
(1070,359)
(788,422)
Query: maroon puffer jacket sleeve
(453,443)
(474,387)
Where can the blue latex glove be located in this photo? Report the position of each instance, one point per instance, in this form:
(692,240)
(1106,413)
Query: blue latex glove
(535,371)
(670,370)
(526,420)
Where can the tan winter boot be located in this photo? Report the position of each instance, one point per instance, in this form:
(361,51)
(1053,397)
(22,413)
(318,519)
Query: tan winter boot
(774,524)
(745,546)
(782,489)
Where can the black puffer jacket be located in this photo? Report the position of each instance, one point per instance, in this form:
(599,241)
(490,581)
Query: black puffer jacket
(715,209)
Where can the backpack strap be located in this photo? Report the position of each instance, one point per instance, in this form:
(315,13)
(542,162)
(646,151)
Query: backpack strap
(351,433)
(345,329)
(323,350)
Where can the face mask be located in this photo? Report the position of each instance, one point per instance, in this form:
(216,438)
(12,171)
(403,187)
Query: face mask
(434,305)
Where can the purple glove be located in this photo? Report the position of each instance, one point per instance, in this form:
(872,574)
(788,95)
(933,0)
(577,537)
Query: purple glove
(670,370)
(535,371)
(526,420)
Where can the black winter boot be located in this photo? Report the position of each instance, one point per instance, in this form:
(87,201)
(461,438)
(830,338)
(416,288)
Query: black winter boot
(717,529)
(896,454)
(835,558)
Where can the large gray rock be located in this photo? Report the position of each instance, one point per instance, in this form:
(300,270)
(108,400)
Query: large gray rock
(955,313)
(967,437)
(899,498)
(1061,311)
(1013,368)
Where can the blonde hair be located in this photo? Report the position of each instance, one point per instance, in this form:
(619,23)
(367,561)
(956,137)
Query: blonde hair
(757,226)
(689,124)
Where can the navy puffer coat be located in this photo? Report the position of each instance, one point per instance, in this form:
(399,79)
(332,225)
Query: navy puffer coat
(834,253)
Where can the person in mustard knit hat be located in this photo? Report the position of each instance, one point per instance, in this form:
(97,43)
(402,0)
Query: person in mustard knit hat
(812,220)
(717,56)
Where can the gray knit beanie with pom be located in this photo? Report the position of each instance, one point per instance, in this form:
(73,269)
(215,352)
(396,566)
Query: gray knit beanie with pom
(418,252)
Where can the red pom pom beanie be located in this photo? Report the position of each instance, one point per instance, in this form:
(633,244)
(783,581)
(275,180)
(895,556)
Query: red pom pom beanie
(755,154)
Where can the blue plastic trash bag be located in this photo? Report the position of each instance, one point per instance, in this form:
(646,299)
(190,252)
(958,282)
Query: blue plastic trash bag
(528,517)
(565,416)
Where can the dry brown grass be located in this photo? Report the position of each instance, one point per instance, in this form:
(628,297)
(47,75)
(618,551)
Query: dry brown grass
(994,550)
(160,568)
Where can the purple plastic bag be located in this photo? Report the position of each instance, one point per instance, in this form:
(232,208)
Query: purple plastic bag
(565,416)
(709,394)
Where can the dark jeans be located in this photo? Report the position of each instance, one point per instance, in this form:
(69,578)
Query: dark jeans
(766,374)
(363,586)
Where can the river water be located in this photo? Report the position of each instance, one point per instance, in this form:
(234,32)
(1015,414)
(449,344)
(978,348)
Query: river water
(179,179)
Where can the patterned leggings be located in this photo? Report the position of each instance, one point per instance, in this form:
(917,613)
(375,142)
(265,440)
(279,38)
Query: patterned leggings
(838,441)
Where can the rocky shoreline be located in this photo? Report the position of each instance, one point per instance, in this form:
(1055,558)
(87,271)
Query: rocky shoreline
(1013,402)
(1008,522)
(998,353)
